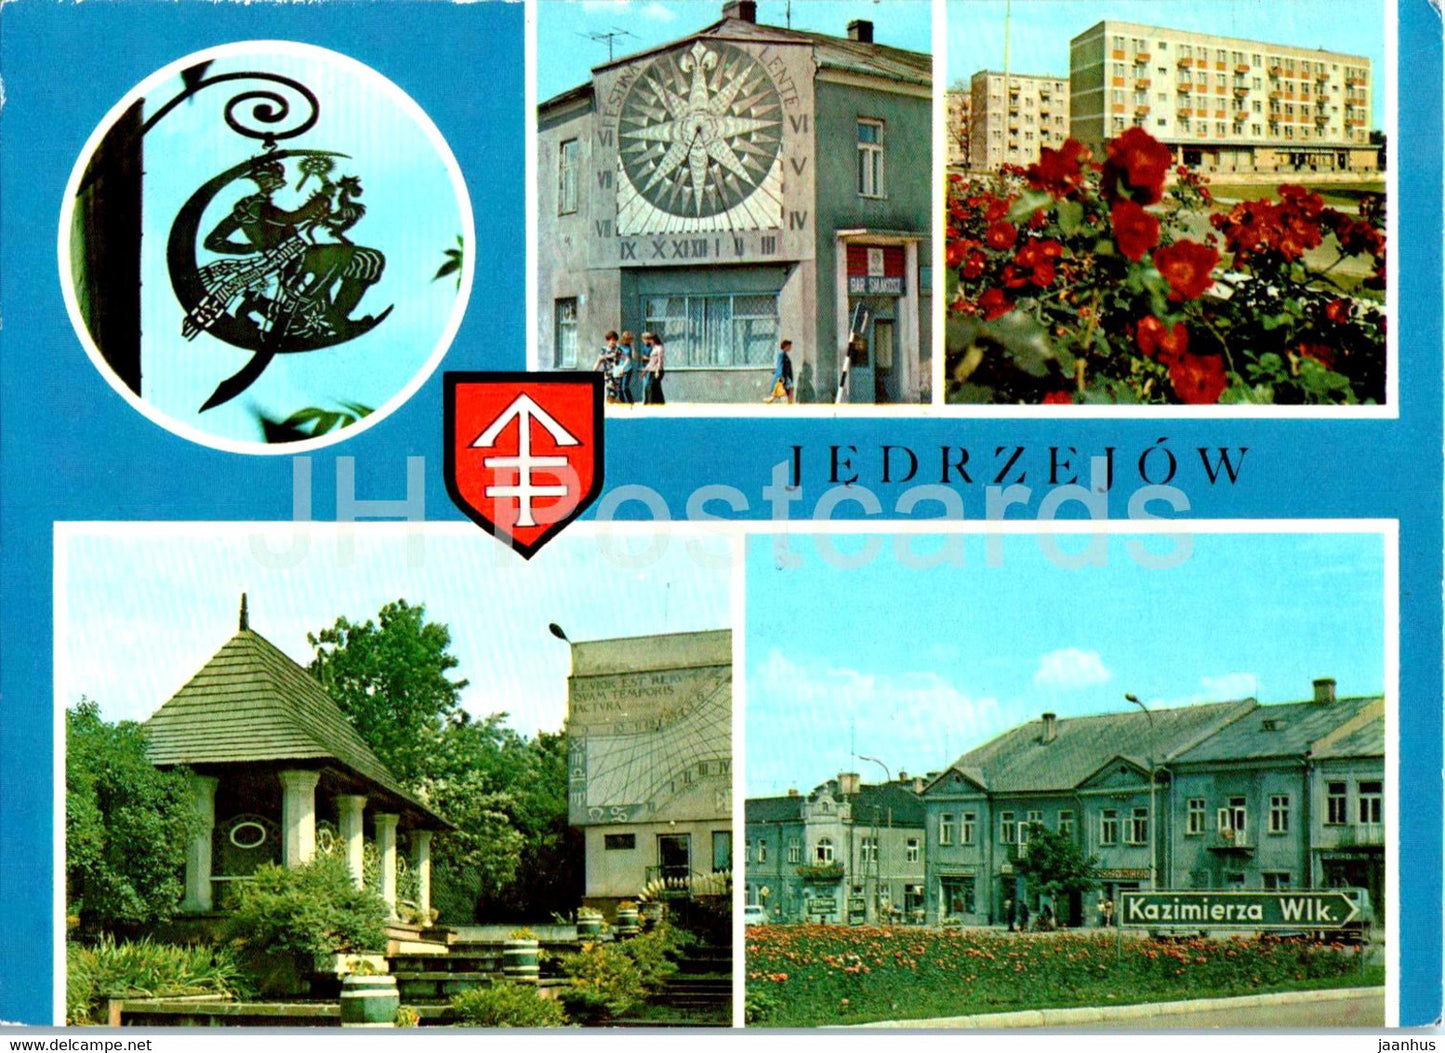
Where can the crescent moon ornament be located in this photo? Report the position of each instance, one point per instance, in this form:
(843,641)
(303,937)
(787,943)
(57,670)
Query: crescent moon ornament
(278,280)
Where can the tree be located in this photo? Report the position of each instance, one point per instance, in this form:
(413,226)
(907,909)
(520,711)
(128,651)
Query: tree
(1055,865)
(391,680)
(127,824)
(507,794)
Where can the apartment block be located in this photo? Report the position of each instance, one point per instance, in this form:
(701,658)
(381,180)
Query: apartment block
(1223,104)
(1015,115)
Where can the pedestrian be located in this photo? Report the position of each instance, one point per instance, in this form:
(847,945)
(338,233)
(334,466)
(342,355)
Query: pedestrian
(623,369)
(1008,912)
(1099,910)
(781,386)
(1108,913)
(653,371)
(1023,916)
(606,359)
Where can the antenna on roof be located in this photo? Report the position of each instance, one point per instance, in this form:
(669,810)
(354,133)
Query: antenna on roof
(245,618)
(609,37)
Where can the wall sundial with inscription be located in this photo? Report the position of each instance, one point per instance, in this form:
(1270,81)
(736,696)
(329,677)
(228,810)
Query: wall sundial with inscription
(699,140)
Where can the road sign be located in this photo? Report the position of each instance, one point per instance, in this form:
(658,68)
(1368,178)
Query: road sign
(1236,910)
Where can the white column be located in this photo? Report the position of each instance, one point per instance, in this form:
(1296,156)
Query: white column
(351,807)
(298,816)
(198,853)
(422,862)
(386,845)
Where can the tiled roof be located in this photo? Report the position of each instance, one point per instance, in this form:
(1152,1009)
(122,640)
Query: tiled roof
(890,803)
(1019,761)
(774,809)
(251,703)
(1284,730)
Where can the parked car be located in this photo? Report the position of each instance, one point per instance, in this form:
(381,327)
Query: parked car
(755,914)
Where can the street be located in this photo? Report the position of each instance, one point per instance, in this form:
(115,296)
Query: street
(1366,1010)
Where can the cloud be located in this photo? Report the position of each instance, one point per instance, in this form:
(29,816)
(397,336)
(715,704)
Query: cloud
(807,716)
(1069,667)
(654,11)
(658,12)
(1227,687)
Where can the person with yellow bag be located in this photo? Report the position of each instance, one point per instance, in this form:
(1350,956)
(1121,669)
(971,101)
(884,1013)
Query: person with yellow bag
(782,383)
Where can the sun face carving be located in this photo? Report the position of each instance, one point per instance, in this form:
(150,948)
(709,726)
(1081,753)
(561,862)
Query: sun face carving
(699,138)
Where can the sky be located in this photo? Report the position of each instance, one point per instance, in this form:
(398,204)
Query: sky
(143,607)
(566,53)
(1041,29)
(916,667)
(412,217)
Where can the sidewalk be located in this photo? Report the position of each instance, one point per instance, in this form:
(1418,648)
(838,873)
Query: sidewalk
(1138,1014)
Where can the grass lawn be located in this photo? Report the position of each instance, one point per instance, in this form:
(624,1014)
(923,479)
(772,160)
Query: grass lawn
(1333,193)
(811,975)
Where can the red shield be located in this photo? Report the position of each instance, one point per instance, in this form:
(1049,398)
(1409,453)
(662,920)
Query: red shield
(523,451)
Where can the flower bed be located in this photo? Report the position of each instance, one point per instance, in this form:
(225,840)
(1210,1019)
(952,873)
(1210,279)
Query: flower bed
(1075,282)
(814,975)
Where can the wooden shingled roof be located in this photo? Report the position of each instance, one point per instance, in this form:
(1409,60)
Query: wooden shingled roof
(252,704)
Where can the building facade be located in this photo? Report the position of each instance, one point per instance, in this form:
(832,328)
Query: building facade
(649,730)
(1225,795)
(1223,104)
(740,186)
(1016,115)
(848,852)
(959,109)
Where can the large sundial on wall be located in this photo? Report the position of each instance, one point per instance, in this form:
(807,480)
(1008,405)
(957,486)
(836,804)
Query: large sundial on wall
(699,140)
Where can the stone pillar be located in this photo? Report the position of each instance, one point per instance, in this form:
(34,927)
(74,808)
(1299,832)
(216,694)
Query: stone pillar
(386,846)
(351,807)
(421,839)
(298,816)
(198,853)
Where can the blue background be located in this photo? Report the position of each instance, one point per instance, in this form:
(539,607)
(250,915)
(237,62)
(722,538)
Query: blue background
(73,450)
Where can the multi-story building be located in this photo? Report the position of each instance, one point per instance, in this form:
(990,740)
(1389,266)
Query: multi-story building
(744,185)
(1221,795)
(1289,796)
(847,852)
(1014,116)
(959,105)
(1223,104)
(649,742)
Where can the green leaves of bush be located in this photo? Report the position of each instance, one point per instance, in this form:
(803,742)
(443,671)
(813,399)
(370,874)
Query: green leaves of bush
(307,911)
(143,969)
(507,1005)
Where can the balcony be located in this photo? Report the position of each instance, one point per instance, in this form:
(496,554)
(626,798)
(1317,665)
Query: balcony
(1241,117)
(1354,80)
(1118,54)
(1141,109)
(1141,57)
(1218,115)
(1241,90)
(1276,95)
(1275,71)
(1142,84)
(1185,62)
(1242,67)
(822,873)
(1184,87)
(1184,114)
(1231,842)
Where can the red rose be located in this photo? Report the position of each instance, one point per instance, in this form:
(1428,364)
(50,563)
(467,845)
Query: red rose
(995,208)
(1188,268)
(1060,171)
(1001,234)
(1038,257)
(1141,163)
(973,266)
(1322,354)
(1338,311)
(1198,379)
(1058,398)
(994,304)
(1135,231)
(1157,340)
(957,250)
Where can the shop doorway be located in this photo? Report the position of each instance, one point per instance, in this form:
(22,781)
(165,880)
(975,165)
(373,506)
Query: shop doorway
(674,855)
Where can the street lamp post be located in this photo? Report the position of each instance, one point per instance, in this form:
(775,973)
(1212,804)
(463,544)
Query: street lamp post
(1153,844)
(877,846)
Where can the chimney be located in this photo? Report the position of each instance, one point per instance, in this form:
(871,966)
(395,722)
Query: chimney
(848,783)
(861,30)
(792,791)
(1050,728)
(918,784)
(1325,689)
(246,618)
(742,10)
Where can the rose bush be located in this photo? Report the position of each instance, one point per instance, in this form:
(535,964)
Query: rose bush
(1077,282)
(812,975)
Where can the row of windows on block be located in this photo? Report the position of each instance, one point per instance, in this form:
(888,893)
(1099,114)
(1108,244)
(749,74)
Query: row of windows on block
(1188,81)
(1187,55)
(870,166)
(702,331)
(823,850)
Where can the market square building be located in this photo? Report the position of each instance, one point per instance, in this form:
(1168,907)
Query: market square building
(739,186)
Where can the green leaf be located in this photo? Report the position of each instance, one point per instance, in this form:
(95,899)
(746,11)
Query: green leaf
(1071,216)
(1025,341)
(1029,202)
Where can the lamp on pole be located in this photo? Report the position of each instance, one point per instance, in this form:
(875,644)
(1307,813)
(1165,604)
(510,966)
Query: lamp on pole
(1153,847)
(877,845)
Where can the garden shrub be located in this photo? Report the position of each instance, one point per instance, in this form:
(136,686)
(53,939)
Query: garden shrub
(606,983)
(306,912)
(144,969)
(1076,282)
(654,955)
(507,1005)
